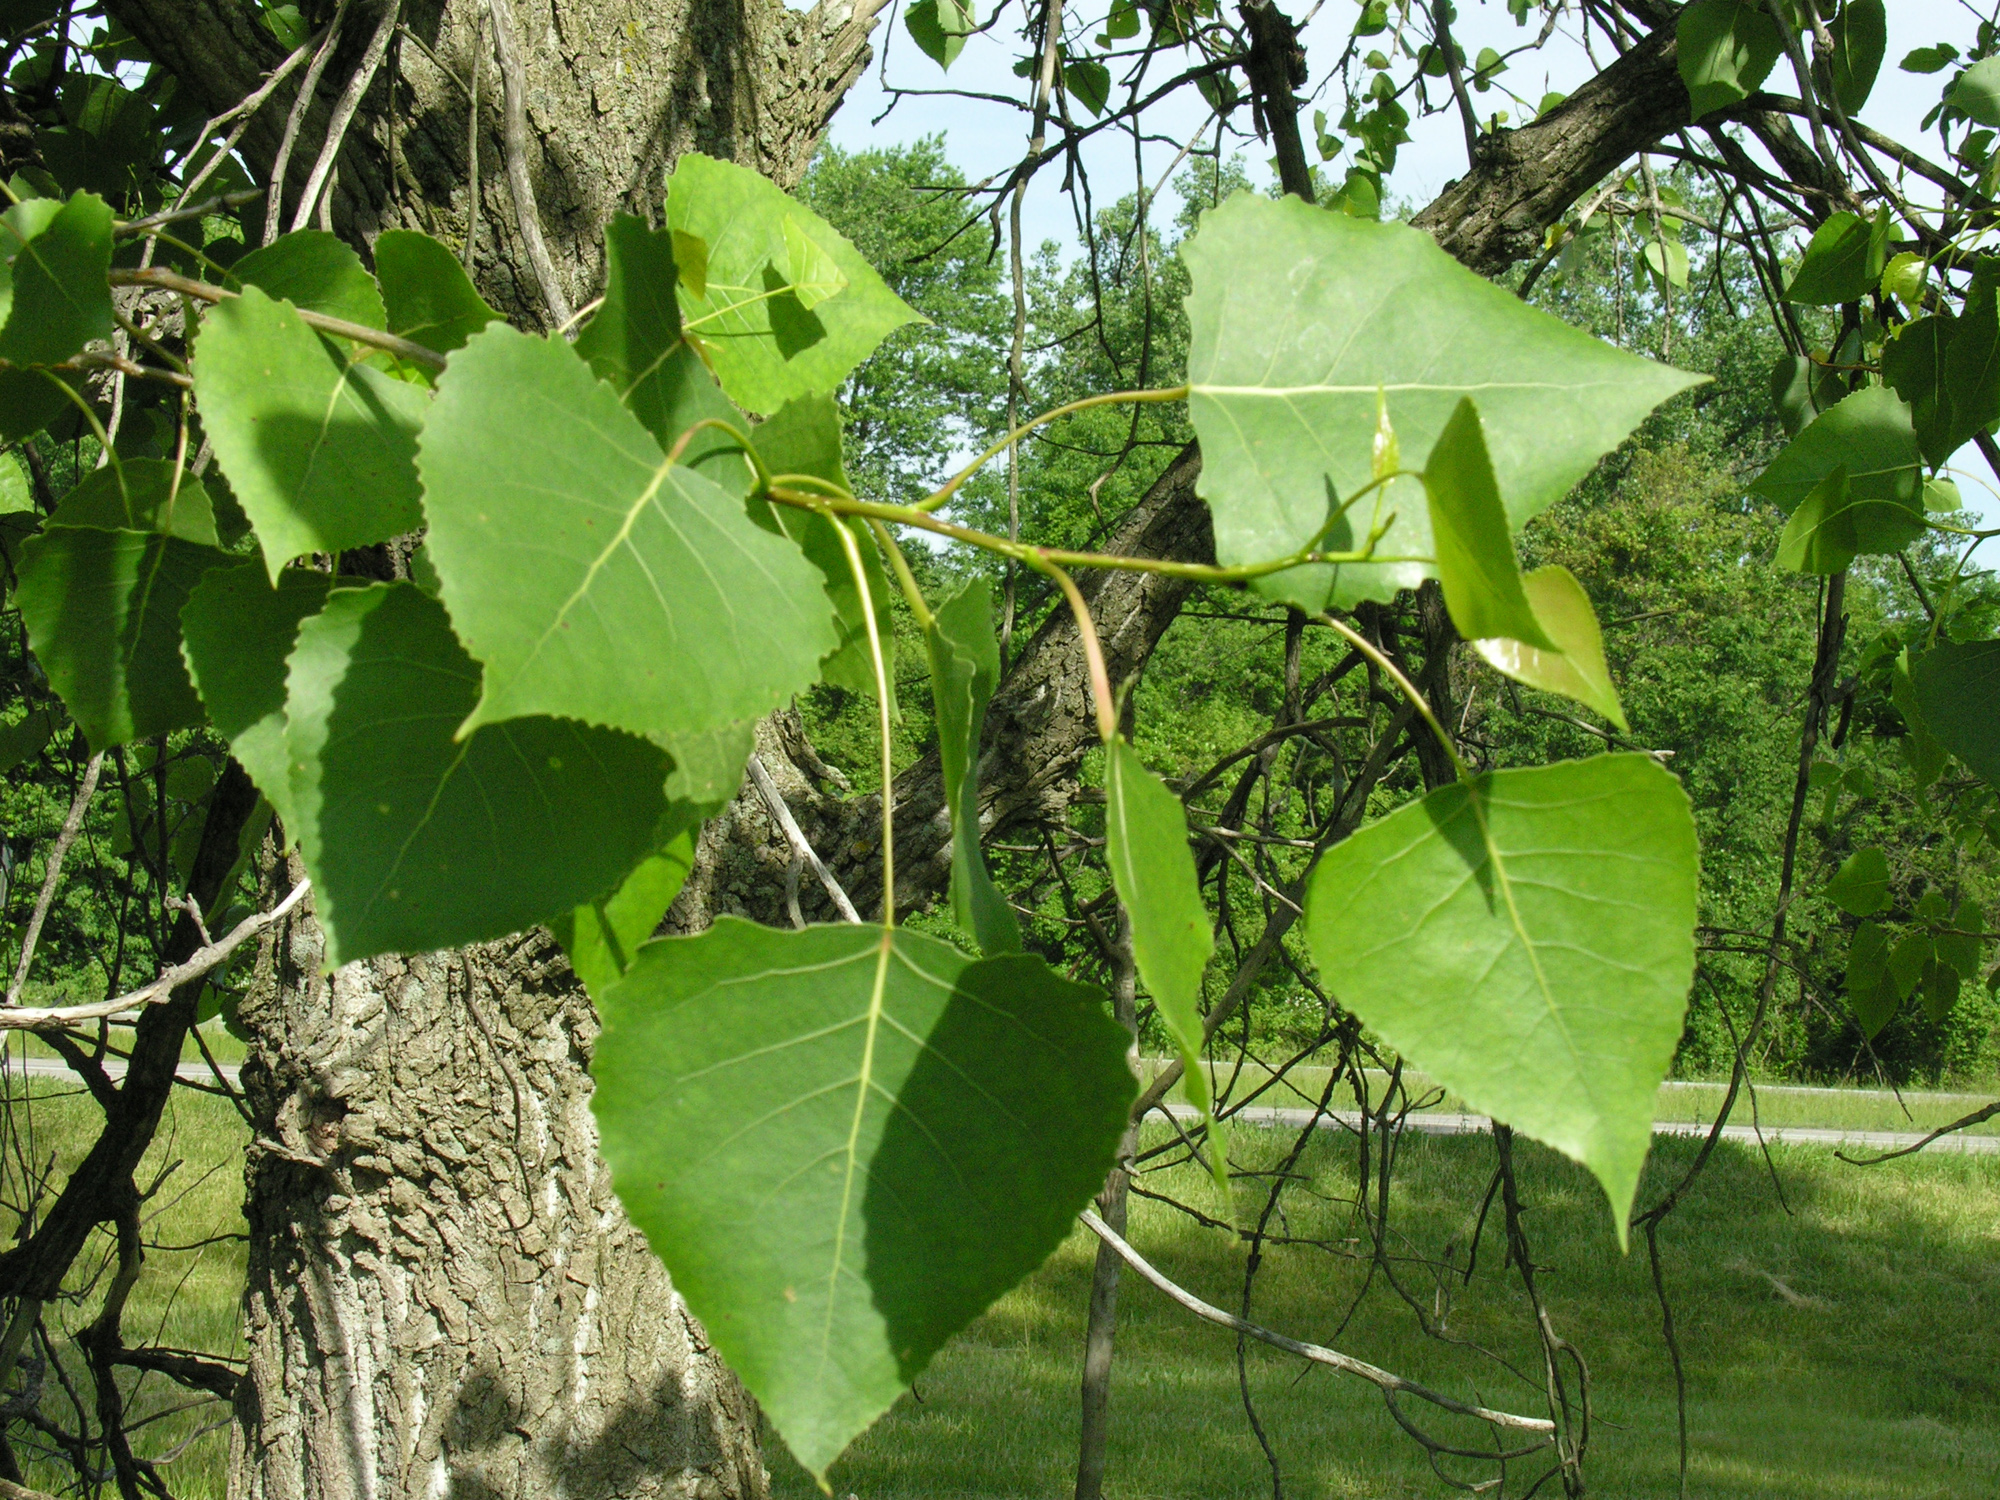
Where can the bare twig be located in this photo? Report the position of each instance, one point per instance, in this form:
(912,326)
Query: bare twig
(53,875)
(274,206)
(802,851)
(343,113)
(201,291)
(1977,1117)
(1383,1380)
(514,131)
(200,962)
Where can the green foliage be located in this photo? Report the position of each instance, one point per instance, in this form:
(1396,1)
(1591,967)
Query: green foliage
(1476,566)
(1576,669)
(426,297)
(316,272)
(555,525)
(1861,886)
(1286,409)
(482,837)
(319,449)
(750,322)
(1146,850)
(1725,49)
(1528,936)
(965,667)
(1860,37)
(602,937)
(1958,690)
(846,1142)
(1843,262)
(1870,436)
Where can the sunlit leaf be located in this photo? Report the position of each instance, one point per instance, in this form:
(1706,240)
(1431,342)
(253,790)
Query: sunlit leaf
(1563,610)
(846,1143)
(1146,851)
(809,267)
(965,668)
(1725,50)
(1300,317)
(1843,262)
(1820,537)
(602,937)
(764,344)
(1527,939)
(54,299)
(1976,95)
(318,450)
(416,840)
(1870,435)
(1476,565)
(593,580)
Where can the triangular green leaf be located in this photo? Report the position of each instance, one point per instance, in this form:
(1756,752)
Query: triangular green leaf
(593,580)
(1958,692)
(1869,434)
(764,343)
(603,937)
(845,1143)
(317,271)
(1476,565)
(1578,671)
(102,610)
(939,28)
(1146,850)
(318,450)
(417,841)
(1527,939)
(59,298)
(237,633)
(1300,317)
(140,495)
(425,293)
(965,668)
(1821,535)
(1842,263)
(1860,886)
(1725,50)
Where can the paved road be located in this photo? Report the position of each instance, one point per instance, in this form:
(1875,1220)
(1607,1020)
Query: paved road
(1431,1122)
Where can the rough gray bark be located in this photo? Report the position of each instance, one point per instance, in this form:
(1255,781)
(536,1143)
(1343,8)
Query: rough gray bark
(444,1296)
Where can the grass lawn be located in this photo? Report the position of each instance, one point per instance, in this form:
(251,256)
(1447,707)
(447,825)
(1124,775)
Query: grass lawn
(1874,1373)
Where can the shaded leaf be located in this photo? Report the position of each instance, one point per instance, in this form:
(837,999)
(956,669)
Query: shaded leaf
(1860,37)
(1913,363)
(1300,317)
(1976,94)
(1971,364)
(317,271)
(1871,992)
(593,580)
(426,296)
(1870,435)
(237,633)
(27,739)
(1577,671)
(140,495)
(845,1143)
(416,840)
(762,342)
(102,610)
(1476,565)
(803,438)
(634,342)
(708,767)
(1089,83)
(1958,693)
(965,668)
(318,451)
(1527,939)
(1961,946)
(1860,887)
(939,28)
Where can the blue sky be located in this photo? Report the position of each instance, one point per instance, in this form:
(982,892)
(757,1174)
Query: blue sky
(984,138)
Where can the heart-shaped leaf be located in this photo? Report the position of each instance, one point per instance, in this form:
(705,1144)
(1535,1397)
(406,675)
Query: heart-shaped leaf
(1527,939)
(416,840)
(1860,886)
(1301,318)
(846,1142)
(591,578)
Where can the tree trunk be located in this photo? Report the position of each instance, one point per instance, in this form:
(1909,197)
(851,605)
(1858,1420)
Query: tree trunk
(444,1296)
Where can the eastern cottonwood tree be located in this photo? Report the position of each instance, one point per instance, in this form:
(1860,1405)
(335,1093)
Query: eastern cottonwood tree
(444,1291)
